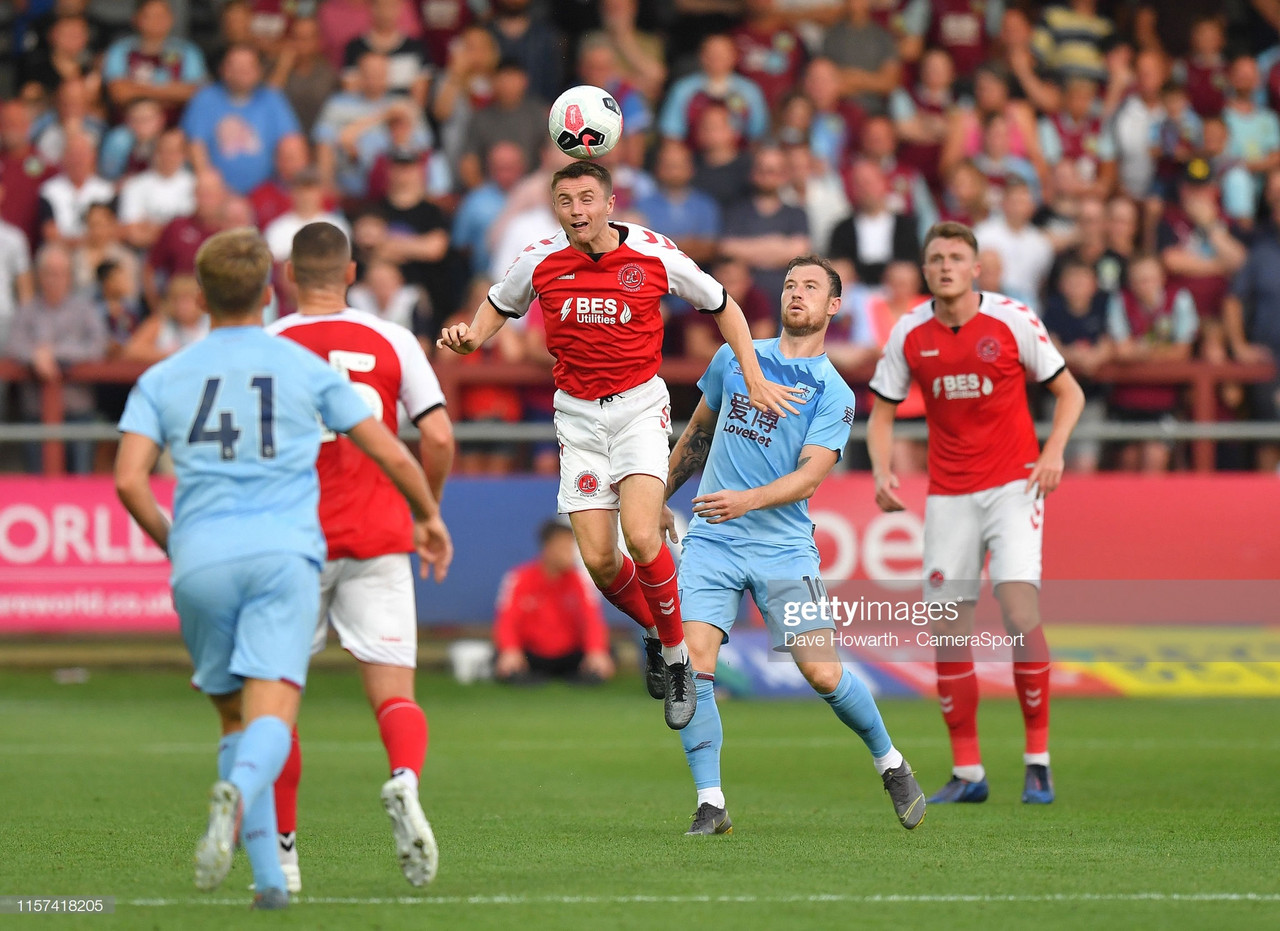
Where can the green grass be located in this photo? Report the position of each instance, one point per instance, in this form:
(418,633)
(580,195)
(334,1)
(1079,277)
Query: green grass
(556,793)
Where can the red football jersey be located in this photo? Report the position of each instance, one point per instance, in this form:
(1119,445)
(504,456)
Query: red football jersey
(974,381)
(603,316)
(361,512)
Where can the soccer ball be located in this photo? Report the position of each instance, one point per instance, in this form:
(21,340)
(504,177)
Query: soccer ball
(585,122)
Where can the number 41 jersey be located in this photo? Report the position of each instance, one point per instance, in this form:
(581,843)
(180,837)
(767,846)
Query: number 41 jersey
(362,513)
(603,314)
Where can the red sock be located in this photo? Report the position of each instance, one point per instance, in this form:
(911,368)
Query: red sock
(662,592)
(404,733)
(286,789)
(958,696)
(625,594)
(1031,681)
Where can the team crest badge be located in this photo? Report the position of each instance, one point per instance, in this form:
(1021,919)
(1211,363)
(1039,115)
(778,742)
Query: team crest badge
(809,391)
(588,483)
(631,277)
(988,349)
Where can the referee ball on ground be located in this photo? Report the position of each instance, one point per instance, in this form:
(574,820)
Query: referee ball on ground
(585,122)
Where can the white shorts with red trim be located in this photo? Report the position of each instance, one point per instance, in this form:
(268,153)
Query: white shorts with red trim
(960,530)
(370,603)
(604,441)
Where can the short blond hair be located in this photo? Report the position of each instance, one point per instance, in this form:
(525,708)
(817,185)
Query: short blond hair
(233,268)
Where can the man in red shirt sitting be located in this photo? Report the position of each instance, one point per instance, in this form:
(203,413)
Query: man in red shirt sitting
(549,621)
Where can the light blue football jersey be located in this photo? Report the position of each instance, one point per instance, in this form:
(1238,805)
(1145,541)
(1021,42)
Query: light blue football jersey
(241,412)
(751,448)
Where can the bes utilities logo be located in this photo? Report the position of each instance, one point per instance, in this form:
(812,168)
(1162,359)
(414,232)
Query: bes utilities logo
(595,310)
(961,387)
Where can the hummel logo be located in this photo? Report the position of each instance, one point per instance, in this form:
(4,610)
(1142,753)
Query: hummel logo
(947,704)
(929,352)
(705,745)
(1033,698)
(668,606)
(286,844)
(568,277)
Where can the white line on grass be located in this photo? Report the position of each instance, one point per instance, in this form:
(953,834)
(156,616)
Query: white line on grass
(1168,897)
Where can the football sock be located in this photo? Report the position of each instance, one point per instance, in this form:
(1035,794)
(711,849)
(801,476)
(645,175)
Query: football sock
(227,753)
(661,591)
(258,835)
(625,594)
(853,704)
(713,796)
(403,726)
(1031,681)
(958,697)
(286,789)
(264,746)
(703,737)
(891,760)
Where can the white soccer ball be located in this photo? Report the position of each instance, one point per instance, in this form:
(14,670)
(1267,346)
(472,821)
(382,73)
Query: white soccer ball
(585,122)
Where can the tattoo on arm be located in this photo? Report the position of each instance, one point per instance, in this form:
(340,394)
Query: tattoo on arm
(694,447)
(802,463)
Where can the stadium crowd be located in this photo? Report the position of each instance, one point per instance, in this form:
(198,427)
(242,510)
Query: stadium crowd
(1120,163)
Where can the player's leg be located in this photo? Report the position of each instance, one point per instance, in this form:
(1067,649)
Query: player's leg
(711,587)
(374,613)
(1016,532)
(953,556)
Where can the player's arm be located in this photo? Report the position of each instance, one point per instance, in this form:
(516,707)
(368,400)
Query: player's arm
(689,456)
(797,485)
(430,536)
(765,395)
(135,458)
(1067,407)
(464,338)
(880,448)
(436,447)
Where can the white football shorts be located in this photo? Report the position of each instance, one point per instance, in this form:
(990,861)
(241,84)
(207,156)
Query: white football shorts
(602,442)
(960,530)
(370,603)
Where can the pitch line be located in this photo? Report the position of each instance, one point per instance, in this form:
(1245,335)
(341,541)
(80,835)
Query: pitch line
(838,898)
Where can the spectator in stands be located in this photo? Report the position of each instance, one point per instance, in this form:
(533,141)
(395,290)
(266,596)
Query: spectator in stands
(382,291)
(174,252)
(1150,321)
(72,113)
(1058,214)
(549,622)
(352,129)
(1072,40)
(1077,133)
(1176,138)
(442,22)
(505,166)
(153,63)
(715,82)
(274,197)
(408,61)
(690,217)
(1123,231)
(763,231)
(67,57)
(816,189)
(1028,78)
(873,236)
(303,74)
(103,243)
(770,52)
(699,337)
(724,170)
(639,55)
(966,136)
(1197,249)
(341,21)
(908,190)
(1254,131)
(1026,251)
(23,171)
(1203,72)
(1234,181)
(1251,316)
(1133,122)
(122,314)
(180,322)
(307,207)
(16,284)
(598,66)
(866,55)
(531,39)
(128,149)
(921,112)
(999,164)
(1089,246)
(65,198)
(837,121)
(964,29)
(56,328)
(514,115)
(965,198)
(901,294)
(235,27)
(466,85)
(166,190)
(1076,318)
(235,125)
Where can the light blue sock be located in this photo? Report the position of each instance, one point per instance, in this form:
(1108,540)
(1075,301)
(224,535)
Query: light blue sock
(703,736)
(258,834)
(264,746)
(227,753)
(853,704)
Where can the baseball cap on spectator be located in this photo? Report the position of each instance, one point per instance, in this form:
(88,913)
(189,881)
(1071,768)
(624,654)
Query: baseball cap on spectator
(1198,171)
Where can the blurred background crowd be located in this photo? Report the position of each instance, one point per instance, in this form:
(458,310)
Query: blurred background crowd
(1119,161)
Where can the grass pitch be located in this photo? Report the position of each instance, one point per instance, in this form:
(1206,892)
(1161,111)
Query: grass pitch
(564,808)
